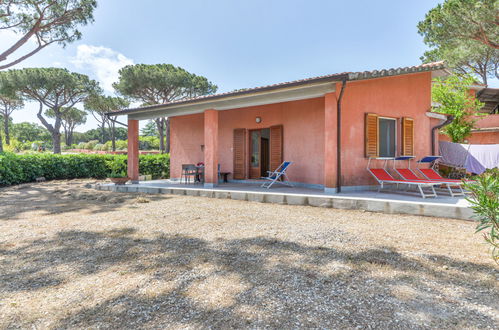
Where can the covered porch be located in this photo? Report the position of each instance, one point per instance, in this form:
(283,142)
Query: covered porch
(251,133)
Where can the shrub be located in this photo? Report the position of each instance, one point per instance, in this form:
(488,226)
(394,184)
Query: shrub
(156,165)
(15,169)
(121,144)
(90,145)
(485,203)
(105,147)
(98,147)
(148,143)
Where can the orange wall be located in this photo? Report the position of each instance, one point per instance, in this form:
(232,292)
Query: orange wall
(186,138)
(303,122)
(399,96)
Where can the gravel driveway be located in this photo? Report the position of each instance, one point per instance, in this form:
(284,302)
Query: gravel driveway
(72,257)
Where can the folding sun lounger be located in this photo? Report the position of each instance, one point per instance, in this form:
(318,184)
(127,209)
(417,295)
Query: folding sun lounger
(383,177)
(279,173)
(408,174)
(433,175)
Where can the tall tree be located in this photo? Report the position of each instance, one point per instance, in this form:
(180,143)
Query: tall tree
(70,118)
(100,106)
(462,20)
(161,83)
(453,97)
(467,57)
(150,129)
(8,104)
(43,21)
(53,88)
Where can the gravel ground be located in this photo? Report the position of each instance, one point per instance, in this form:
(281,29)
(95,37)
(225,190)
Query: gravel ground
(72,257)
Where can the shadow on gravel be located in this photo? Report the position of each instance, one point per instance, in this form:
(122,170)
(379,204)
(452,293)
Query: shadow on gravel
(17,200)
(281,284)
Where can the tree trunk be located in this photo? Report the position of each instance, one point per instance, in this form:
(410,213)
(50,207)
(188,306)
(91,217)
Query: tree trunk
(1,143)
(6,129)
(69,137)
(113,135)
(161,132)
(56,140)
(167,133)
(103,129)
(54,130)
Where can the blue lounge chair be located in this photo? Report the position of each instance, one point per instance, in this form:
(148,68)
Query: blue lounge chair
(274,176)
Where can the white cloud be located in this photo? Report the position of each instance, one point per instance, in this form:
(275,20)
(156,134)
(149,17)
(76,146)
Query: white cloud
(103,62)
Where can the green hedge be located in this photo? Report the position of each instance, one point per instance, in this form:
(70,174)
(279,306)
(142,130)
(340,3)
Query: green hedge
(15,169)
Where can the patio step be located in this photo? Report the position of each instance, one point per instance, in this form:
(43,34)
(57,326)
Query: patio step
(383,205)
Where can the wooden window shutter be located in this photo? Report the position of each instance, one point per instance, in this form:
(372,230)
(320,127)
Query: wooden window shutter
(372,135)
(276,144)
(407,136)
(239,150)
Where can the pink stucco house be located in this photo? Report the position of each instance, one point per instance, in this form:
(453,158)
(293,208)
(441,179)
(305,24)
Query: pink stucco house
(327,126)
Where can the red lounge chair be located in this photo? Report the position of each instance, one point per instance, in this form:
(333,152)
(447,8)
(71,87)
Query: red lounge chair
(383,177)
(431,174)
(408,174)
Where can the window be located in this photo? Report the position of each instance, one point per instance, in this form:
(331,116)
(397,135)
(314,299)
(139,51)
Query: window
(387,137)
(381,136)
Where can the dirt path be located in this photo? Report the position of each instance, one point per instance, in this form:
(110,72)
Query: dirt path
(72,257)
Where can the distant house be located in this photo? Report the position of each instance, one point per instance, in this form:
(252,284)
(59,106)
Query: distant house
(487,124)
(487,131)
(248,132)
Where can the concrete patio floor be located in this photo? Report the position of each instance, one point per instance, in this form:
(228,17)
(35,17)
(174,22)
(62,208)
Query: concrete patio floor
(386,201)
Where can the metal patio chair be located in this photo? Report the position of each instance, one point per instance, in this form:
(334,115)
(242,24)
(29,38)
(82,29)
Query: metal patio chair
(278,174)
(188,171)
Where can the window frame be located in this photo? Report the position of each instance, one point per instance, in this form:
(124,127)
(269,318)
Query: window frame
(396,120)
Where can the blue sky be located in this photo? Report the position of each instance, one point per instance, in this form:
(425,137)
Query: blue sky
(239,44)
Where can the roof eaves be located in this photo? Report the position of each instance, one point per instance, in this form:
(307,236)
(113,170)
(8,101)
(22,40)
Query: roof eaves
(247,91)
(333,77)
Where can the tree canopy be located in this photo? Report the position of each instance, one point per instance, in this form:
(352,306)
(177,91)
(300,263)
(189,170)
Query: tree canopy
(462,20)
(100,106)
(161,83)
(44,21)
(464,33)
(53,88)
(26,131)
(468,58)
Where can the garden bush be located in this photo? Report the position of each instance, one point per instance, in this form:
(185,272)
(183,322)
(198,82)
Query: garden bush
(22,168)
(484,201)
(90,144)
(98,147)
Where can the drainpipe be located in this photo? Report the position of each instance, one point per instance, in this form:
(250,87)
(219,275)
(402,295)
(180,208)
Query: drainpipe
(449,120)
(338,136)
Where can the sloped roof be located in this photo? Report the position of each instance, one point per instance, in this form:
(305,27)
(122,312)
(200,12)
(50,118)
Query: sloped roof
(350,76)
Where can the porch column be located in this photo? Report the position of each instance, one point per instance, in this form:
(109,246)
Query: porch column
(133,150)
(330,142)
(210,148)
